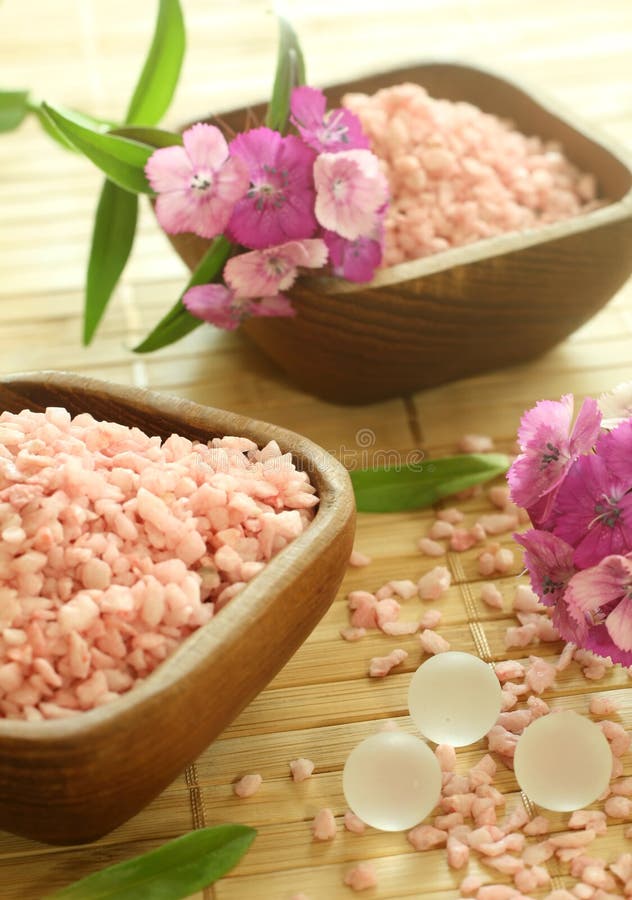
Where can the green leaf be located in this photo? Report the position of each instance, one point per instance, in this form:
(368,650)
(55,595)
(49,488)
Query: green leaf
(158,80)
(290,73)
(177,869)
(14,105)
(153,137)
(122,160)
(417,484)
(112,239)
(179,322)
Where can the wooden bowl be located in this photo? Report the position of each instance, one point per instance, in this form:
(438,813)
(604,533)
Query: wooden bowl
(72,780)
(499,301)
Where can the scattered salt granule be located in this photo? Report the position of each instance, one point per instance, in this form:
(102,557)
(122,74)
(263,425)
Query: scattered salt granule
(119,545)
(452,515)
(353,823)
(486,564)
(491,596)
(432,642)
(498,523)
(430,547)
(470,885)
(398,629)
(462,539)
(603,706)
(379,666)
(525,600)
(426,837)
(508,669)
(361,877)
(358,560)
(430,618)
(352,634)
(248,785)
(363,606)
(446,756)
(618,807)
(458,175)
(404,588)
(440,530)
(537,826)
(540,675)
(520,635)
(386,610)
(434,583)
(324,825)
(504,559)
(301,768)
(475,443)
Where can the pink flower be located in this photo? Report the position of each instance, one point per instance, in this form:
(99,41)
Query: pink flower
(549,560)
(261,273)
(593,512)
(548,450)
(197,184)
(218,305)
(354,260)
(336,130)
(350,189)
(615,448)
(599,599)
(279,204)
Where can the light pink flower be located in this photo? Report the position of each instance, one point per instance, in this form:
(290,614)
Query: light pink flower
(338,129)
(197,184)
(279,204)
(262,273)
(219,305)
(549,561)
(350,189)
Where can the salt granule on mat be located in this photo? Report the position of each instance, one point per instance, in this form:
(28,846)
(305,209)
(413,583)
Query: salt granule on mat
(115,546)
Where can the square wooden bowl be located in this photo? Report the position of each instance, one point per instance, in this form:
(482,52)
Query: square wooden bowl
(72,780)
(464,311)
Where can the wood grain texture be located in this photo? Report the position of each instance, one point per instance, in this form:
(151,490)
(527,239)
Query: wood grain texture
(321,703)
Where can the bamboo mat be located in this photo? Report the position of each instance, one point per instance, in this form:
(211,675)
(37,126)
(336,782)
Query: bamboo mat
(87,53)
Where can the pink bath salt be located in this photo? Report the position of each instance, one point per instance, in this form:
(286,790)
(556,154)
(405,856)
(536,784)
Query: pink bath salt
(498,495)
(301,769)
(525,600)
(515,721)
(247,785)
(386,591)
(426,837)
(597,877)
(433,643)
(491,596)
(399,629)
(622,867)
(546,630)
(537,826)
(454,784)
(520,636)
(618,808)
(482,772)
(478,532)
(434,583)
(361,877)
(583,891)
(560,894)
(430,618)
(475,443)
(440,530)
(358,560)
(617,767)
(470,885)
(603,706)
(462,539)
(457,853)
(566,657)
(502,741)
(617,736)
(622,788)
(529,880)
(446,755)
(299,896)
(452,515)
(536,854)
(496,892)
(448,821)
(508,699)
(430,547)
(364,609)
(483,811)
(595,672)
(405,589)
(540,675)
(386,610)
(504,559)
(505,863)
(498,523)
(509,669)
(486,564)
(379,666)
(324,825)
(352,634)
(353,823)
(589,818)
(572,839)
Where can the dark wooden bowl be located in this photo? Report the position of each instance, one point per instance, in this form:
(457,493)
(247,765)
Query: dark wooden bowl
(72,780)
(497,302)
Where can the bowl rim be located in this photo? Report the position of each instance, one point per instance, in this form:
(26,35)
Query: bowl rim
(496,245)
(333,487)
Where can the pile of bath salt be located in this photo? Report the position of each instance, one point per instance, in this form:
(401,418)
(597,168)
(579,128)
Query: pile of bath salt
(115,546)
(458,175)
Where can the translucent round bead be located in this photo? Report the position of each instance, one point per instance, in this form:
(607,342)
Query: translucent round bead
(454,698)
(392,780)
(563,761)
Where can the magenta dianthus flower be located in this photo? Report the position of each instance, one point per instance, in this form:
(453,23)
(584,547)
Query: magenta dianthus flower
(279,203)
(354,260)
(217,304)
(338,129)
(262,273)
(549,561)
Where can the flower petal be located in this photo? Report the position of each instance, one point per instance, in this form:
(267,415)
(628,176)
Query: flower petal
(554,415)
(308,105)
(206,146)
(177,212)
(616,449)
(168,169)
(273,306)
(619,624)
(586,428)
(214,304)
(599,585)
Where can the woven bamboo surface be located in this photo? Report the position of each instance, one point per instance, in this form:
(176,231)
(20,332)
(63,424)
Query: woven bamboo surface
(86,53)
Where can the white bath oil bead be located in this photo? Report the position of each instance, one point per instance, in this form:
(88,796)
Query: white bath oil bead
(392,780)
(454,698)
(563,761)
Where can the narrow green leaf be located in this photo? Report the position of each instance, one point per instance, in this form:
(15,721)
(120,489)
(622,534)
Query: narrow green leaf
(413,485)
(158,80)
(112,239)
(290,73)
(153,137)
(122,160)
(177,869)
(14,105)
(179,322)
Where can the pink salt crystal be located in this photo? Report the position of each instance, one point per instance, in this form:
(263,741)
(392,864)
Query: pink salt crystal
(598,878)
(504,559)
(617,736)
(618,807)
(477,531)
(386,610)
(353,823)
(486,564)
(430,618)
(595,672)
(491,596)
(446,756)
(536,854)
(430,547)
(299,896)
(508,699)
(440,530)
(475,443)
(452,515)
(583,891)
(462,540)
(384,592)
(434,583)
(470,885)
(526,881)
(502,741)
(358,560)
(589,818)
(425,837)
(454,784)
(540,675)
(301,769)
(537,826)
(603,706)
(622,788)
(352,634)
(433,643)
(508,669)
(496,892)
(515,721)
(520,635)
(404,588)
(572,839)
(364,612)
(248,785)
(457,853)
(498,523)
(622,867)
(361,877)
(398,629)
(525,600)
(566,657)
(499,495)
(379,666)
(448,821)
(506,863)
(546,630)
(324,825)
(560,894)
